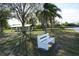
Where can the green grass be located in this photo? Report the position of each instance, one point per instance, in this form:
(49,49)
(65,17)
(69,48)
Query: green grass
(8,31)
(67,30)
(66,38)
(38,32)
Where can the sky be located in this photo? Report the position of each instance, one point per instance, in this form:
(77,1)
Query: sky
(70,12)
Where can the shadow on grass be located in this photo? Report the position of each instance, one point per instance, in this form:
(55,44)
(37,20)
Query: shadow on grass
(67,44)
(2,34)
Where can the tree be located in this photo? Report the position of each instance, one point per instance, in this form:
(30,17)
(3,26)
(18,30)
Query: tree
(53,10)
(4,14)
(32,19)
(47,15)
(42,16)
(65,24)
(77,24)
(21,11)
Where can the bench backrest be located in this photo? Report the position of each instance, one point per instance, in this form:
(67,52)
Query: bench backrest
(43,38)
(42,41)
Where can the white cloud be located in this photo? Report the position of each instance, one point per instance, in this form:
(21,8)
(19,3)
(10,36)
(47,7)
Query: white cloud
(70,15)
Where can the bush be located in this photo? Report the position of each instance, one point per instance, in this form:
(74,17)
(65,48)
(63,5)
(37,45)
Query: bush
(38,27)
(62,27)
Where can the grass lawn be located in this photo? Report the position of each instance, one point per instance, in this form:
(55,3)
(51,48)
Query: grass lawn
(67,39)
(67,30)
(8,31)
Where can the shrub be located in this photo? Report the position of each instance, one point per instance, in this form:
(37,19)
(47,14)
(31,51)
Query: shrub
(38,27)
(62,27)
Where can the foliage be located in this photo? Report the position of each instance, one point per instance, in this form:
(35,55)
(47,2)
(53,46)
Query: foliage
(62,26)
(38,27)
(4,15)
(66,24)
(47,15)
(24,45)
(22,11)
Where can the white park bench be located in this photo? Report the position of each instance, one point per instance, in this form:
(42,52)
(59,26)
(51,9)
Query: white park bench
(45,41)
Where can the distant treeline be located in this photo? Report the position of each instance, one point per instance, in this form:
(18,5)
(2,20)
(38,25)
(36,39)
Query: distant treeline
(66,24)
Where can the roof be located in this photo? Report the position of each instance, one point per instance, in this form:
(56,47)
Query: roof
(13,22)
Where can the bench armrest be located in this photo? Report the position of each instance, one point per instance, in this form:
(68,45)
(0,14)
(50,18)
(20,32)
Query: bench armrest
(51,40)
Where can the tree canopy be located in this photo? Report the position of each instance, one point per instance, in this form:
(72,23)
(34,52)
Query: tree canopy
(4,15)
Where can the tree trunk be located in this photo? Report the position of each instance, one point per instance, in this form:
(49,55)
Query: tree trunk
(44,28)
(52,24)
(23,40)
(26,41)
(1,27)
(31,28)
(23,29)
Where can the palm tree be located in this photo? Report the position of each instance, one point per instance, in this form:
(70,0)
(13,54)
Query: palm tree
(53,10)
(48,14)
(43,17)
